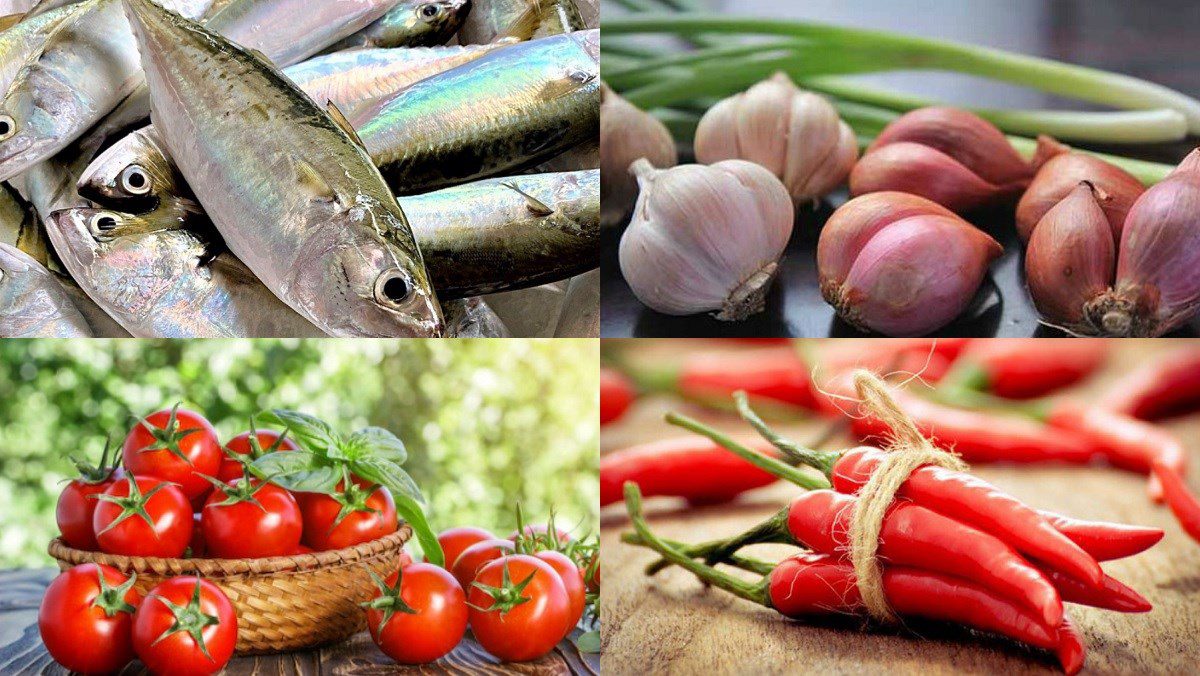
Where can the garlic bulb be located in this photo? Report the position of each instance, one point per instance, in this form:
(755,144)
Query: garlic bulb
(946,155)
(706,238)
(1069,264)
(1059,173)
(627,134)
(795,134)
(901,265)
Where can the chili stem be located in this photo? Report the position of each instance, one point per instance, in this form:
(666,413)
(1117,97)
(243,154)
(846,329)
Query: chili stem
(756,592)
(767,464)
(795,453)
(773,530)
(736,560)
(961,396)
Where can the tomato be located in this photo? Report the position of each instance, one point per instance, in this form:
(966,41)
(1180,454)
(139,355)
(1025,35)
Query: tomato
(197,548)
(455,540)
(540,531)
(474,557)
(180,620)
(143,516)
(86,618)
(254,445)
(572,579)
(175,445)
(301,549)
(418,615)
(353,515)
(518,608)
(74,512)
(250,519)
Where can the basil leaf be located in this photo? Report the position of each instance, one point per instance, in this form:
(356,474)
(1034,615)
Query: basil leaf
(410,511)
(320,480)
(389,474)
(588,642)
(310,432)
(299,471)
(380,443)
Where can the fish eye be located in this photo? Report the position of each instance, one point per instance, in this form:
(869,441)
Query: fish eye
(392,287)
(134,180)
(429,11)
(8,127)
(102,223)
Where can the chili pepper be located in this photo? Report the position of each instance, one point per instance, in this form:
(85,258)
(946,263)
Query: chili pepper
(930,359)
(1105,541)
(616,395)
(960,496)
(1110,594)
(772,374)
(819,584)
(1023,368)
(1159,389)
(1071,651)
(1183,503)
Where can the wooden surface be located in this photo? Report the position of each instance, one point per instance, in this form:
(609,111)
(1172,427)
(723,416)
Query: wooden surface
(1153,40)
(21,650)
(670,624)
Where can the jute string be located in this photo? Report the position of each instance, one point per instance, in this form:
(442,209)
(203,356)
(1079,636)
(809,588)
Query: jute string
(907,449)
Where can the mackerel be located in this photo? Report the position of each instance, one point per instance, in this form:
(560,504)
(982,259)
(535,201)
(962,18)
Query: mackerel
(491,20)
(411,23)
(32,303)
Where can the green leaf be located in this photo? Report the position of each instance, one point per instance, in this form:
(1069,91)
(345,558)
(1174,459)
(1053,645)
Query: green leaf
(299,471)
(310,432)
(389,474)
(410,511)
(380,443)
(588,642)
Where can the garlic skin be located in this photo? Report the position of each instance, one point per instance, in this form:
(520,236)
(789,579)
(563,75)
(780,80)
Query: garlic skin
(795,134)
(627,134)
(1060,172)
(901,265)
(946,155)
(706,238)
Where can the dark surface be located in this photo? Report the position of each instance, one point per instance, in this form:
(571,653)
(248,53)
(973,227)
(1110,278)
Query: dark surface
(1155,40)
(21,650)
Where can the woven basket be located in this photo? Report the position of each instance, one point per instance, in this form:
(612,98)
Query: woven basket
(283,603)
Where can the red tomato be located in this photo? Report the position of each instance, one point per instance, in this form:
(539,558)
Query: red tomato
(251,521)
(418,615)
(572,581)
(351,516)
(254,445)
(474,557)
(76,506)
(86,618)
(175,445)
(518,608)
(121,527)
(535,530)
(301,549)
(455,540)
(165,636)
(616,395)
(197,549)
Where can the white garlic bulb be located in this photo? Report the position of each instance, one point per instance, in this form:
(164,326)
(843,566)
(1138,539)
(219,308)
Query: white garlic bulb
(795,134)
(627,134)
(706,238)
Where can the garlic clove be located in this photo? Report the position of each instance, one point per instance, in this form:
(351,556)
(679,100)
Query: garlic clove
(706,238)
(854,224)
(627,134)
(915,275)
(969,139)
(1070,260)
(1061,174)
(927,172)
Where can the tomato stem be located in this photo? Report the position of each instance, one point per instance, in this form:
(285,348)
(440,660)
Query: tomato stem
(389,600)
(508,595)
(189,618)
(111,600)
(132,504)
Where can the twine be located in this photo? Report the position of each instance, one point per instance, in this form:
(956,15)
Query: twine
(907,449)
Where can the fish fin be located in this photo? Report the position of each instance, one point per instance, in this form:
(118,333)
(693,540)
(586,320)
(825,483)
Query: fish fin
(538,207)
(311,181)
(340,120)
(260,56)
(527,22)
(566,86)
(10,20)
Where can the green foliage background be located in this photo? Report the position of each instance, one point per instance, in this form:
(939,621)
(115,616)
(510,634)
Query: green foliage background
(487,423)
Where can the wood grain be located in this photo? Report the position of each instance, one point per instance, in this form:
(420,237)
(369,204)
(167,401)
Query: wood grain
(671,624)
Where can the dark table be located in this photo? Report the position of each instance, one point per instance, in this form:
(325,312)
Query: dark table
(21,650)
(1157,40)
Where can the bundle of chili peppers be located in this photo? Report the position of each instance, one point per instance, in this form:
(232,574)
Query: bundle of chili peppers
(948,547)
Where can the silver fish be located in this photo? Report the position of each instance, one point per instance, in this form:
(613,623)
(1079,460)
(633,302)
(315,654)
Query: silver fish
(137,171)
(491,20)
(160,280)
(411,23)
(20,41)
(32,303)
(472,318)
(289,31)
(300,202)
(497,114)
(98,320)
(508,233)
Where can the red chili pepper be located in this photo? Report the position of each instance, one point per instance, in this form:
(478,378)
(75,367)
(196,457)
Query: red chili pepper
(1183,502)
(1071,651)
(775,374)
(1111,594)
(616,395)
(696,469)
(1159,389)
(1024,368)
(1105,541)
(929,358)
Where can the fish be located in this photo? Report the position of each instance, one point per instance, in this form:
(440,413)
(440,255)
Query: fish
(301,204)
(137,171)
(472,318)
(98,320)
(20,41)
(411,23)
(32,303)
(20,228)
(512,108)
(508,233)
(491,20)
(160,280)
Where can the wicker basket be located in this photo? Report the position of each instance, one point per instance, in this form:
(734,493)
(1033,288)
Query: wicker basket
(283,603)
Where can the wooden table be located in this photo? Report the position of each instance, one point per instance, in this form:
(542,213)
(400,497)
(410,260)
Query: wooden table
(670,624)
(21,650)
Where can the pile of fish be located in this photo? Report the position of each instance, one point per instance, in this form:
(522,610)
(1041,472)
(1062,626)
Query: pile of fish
(247,168)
